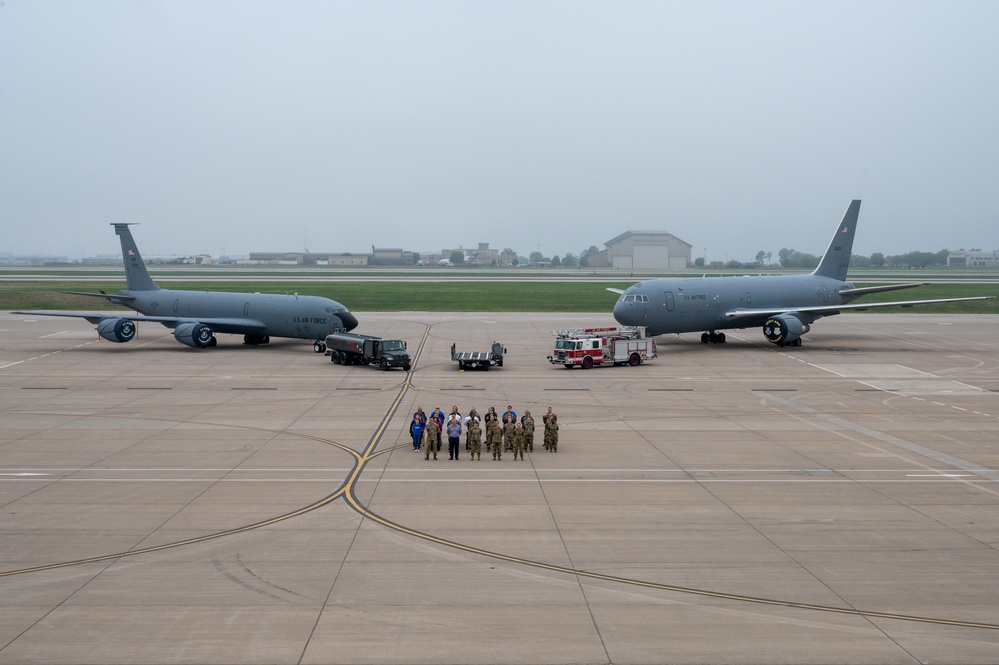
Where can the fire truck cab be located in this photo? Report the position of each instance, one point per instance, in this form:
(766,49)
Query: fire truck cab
(586,347)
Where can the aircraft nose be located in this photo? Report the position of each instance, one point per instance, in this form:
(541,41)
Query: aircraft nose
(622,314)
(348,320)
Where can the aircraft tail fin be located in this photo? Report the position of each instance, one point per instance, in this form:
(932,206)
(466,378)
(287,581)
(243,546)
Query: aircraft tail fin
(836,260)
(135,269)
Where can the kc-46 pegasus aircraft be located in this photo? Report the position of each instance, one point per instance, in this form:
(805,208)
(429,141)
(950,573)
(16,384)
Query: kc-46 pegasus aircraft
(195,316)
(784,305)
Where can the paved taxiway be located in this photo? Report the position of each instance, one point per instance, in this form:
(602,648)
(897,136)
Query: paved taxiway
(739,503)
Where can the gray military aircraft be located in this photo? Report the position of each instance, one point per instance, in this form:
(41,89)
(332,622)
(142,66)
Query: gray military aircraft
(195,316)
(784,305)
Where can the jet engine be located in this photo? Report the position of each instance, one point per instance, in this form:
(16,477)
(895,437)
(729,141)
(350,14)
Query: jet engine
(117,330)
(784,330)
(197,335)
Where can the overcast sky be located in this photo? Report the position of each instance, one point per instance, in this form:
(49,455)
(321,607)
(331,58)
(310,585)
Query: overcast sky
(272,126)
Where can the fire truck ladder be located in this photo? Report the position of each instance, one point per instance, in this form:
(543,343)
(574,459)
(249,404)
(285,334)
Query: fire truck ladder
(631,332)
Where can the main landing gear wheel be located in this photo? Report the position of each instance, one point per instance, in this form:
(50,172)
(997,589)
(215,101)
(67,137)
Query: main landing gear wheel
(712,337)
(319,347)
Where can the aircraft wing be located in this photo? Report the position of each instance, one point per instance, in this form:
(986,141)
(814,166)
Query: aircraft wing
(114,298)
(243,326)
(833,309)
(880,289)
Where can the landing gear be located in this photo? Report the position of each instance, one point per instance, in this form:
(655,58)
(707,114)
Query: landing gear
(256,340)
(319,347)
(712,337)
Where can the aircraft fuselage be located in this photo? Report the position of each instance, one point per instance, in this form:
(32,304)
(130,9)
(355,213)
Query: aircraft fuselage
(275,315)
(697,304)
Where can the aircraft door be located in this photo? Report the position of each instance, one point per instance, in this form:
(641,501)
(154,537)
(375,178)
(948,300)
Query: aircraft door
(246,309)
(670,304)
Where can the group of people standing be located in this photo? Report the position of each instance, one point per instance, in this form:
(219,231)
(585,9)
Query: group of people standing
(502,433)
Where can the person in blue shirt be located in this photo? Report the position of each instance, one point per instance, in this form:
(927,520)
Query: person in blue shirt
(453,437)
(416,430)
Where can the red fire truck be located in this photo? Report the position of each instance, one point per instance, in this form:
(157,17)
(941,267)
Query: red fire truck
(586,347)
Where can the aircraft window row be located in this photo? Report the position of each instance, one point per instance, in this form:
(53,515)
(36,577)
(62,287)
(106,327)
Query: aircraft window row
(635,297)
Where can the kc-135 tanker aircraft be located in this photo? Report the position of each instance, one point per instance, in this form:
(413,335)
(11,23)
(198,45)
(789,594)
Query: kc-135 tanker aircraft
(784,305)
(195,316)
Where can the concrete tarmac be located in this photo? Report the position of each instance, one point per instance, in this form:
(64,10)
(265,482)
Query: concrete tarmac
(736,503)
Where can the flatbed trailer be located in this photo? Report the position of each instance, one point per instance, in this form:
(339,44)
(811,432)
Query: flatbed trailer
(481,359)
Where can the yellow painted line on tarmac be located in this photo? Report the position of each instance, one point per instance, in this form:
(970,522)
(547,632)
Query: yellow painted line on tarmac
(352,500)
(212,536)
(360,459)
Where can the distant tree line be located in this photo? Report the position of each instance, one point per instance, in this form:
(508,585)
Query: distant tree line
(792,259)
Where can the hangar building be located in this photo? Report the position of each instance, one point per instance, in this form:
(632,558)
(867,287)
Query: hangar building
(652,250)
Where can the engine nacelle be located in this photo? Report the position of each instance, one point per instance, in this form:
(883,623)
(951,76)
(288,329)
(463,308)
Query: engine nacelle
(197,335)
(117,330)
(784,330)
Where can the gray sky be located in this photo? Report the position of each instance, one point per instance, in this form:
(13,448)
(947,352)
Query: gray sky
(551,126)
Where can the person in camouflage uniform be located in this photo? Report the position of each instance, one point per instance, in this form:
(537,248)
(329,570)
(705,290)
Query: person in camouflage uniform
(496,439)
(509,425)
(491,418)
(474,433)
(551,431)
(518,441)
(430,439)
(528,422)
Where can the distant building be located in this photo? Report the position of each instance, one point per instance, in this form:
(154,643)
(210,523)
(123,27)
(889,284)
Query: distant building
(649,250)
(974,259)
(391,257)
(482,256)
(377,257)
(306,259)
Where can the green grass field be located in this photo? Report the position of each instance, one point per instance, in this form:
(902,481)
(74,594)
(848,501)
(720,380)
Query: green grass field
(409,295)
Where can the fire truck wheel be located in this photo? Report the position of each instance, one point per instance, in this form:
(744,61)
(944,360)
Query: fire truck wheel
(635,360)
(587,362)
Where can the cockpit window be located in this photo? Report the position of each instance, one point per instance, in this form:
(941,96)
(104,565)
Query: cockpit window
(634,297)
